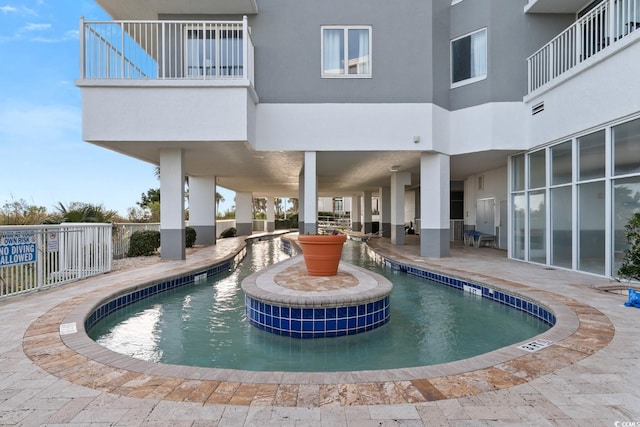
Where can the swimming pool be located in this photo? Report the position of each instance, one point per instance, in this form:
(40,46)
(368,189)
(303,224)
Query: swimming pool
(204,325)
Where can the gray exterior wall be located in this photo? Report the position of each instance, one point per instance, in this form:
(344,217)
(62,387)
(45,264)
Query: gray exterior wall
(410,49)
(512,36)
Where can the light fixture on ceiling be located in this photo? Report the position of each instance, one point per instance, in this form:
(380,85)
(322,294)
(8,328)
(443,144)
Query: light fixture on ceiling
(394,168)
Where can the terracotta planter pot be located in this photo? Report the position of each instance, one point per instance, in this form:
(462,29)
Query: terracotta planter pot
(322,253)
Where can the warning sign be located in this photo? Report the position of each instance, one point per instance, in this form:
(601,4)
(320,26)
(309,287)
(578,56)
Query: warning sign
(17,247)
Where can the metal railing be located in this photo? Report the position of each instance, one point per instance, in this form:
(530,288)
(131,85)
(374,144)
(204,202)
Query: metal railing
(605,24)
(122,236)
(40,256)
(188,50)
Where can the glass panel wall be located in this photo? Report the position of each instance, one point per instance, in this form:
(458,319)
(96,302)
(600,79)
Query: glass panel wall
(576,218)
(591,156)
(517,173)
(518,221)
(626,148)
(537,227)
(561,163)
(561,227)
(591,220)
(537,169)
(626,202)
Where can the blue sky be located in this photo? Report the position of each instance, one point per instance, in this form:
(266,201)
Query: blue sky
(43,159)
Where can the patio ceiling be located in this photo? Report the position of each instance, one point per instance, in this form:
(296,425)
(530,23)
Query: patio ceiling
(555,6)
(239,167)
(150,9)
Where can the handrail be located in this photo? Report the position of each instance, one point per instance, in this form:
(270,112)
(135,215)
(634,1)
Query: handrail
(171,49)
(602,27)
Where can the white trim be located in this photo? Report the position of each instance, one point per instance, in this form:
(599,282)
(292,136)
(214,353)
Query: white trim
(345,29)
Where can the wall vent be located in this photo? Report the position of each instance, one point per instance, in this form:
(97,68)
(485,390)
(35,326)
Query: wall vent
(538,108)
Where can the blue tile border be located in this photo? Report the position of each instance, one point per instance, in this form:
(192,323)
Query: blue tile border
(304,322)
(494,294)
(108,307)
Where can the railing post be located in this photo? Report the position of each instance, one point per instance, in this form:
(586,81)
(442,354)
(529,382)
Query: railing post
(122,49)
(82,53)
(611,21)
(578,39)
(245,47)
(552,61)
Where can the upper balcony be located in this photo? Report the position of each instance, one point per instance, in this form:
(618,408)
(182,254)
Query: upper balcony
(152,9)
(554,6)
(167,50)
(605,28)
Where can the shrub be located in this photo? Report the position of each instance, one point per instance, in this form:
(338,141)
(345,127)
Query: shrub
(229,232)
(143,243)
(631,263)
(189,237)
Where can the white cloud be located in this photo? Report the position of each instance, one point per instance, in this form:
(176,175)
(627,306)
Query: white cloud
(35,27)
(20,10)
(69,35)
(8,9)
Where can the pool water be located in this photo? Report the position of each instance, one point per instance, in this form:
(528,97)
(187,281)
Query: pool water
(205,325)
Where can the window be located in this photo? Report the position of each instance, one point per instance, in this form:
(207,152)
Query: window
(213,52)
(469,58)
(346,51)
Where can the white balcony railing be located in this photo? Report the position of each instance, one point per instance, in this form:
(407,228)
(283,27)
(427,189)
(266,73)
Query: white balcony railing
(166,50)
(603,26)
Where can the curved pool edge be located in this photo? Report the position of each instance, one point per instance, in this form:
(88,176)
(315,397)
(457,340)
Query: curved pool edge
(580,331)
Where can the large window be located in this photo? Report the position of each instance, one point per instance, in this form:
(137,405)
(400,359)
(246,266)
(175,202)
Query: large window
(469,58)
(213,52)
(571,201)
(346,51)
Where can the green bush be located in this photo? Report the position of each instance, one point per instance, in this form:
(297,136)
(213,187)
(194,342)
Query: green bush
(189,237)
(631,263)
(229,232)
(143,243)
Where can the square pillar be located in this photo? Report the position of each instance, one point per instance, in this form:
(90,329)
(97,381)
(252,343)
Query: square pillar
(172,243)
(244,217)
(434,205)
(310,204)
(202,208)
(271,215)
(356,225)
(385,211)
(301,202)
(398,182)
(366,212)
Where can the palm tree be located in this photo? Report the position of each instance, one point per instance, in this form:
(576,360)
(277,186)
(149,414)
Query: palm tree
(219,199)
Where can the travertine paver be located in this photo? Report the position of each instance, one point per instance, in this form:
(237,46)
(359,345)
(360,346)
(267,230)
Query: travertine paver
(590,378)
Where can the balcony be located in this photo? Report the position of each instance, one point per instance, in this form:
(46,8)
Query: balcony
(604,28)
(167,50)
(166,81)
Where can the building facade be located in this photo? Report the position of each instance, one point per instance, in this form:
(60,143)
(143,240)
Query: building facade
(517,116)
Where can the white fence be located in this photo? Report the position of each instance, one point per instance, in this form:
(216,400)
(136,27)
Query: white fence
(605,24)
(166,50)
(122,236)
(35,257)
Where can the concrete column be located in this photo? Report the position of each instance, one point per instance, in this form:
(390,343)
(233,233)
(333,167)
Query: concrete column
(310,206)
(356,225)
(271,215)
(244,217)
(385,211)
(398,182)
(366,212)
(202,208)
(172,205)
(434,205)
(301,202)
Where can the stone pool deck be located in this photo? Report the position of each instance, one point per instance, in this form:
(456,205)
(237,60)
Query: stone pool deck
(589,376)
